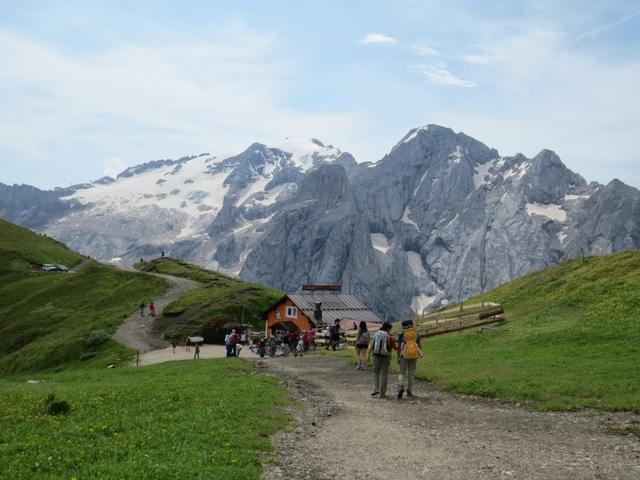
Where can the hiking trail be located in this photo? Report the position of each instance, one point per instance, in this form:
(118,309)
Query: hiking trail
(136,330)
(345,433)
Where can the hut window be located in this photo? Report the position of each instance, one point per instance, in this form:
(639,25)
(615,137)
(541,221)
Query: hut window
(292,312)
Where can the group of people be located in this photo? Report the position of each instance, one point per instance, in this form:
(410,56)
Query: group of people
(381,346)
(234,342)
(152,309)
(283,345)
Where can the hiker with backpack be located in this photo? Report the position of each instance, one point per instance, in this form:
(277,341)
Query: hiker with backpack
(409,351)
(381,348)
(362,344)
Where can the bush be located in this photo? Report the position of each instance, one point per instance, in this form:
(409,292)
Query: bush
(56,407)
(96,338)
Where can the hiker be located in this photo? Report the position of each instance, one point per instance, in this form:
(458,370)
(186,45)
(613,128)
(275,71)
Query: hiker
(173,346)
(262,347)
(310,339)
(243,337)
(152,309)
(285,342)
(381,348)
(187,344)
(142,309)
(409,350)
(162,254)
(235,339)
(362,344)
(196,354)
(334,335)
(299,348)
(239,347)
(228,343)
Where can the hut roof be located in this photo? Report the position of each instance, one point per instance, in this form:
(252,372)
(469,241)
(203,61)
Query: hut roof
(343,307)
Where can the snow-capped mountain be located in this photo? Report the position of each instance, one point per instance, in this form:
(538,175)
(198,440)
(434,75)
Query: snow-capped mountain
(438,219)
(188,207)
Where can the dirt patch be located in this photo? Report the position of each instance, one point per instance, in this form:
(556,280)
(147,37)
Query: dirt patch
(345,433)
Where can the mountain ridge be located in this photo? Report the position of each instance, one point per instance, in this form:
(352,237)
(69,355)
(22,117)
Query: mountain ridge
(439,218)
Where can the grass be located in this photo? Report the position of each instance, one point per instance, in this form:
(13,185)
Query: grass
(572,340)
(46,318)
(221,299)
(194,419)
(21,248)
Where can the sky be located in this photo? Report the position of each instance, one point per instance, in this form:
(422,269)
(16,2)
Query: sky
(88,88)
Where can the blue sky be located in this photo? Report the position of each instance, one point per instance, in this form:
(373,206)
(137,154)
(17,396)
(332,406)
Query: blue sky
(88,88)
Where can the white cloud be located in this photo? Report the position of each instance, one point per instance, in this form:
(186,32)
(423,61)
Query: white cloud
(441,76)
(158,101)
(479,59)
(377,38)
(424,50)
(601,28)
(113,166)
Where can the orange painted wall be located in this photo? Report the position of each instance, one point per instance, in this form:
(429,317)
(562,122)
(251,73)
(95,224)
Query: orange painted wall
(301,321)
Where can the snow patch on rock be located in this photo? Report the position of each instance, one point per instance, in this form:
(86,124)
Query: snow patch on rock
(552,211)
(380,242)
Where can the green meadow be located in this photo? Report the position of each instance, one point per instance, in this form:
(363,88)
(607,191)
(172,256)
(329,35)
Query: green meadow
(84,420)
(194,419)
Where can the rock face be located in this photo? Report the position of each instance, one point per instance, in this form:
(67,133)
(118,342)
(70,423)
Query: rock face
(440,218)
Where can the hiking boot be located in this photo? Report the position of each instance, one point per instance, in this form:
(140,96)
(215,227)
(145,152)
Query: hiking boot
(374,394)
(401,392)
(410,395)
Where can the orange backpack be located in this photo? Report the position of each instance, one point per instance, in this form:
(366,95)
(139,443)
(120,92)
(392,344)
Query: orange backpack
(411,349)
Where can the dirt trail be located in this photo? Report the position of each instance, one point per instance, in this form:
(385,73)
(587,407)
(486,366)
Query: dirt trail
(345,433)
(135,331)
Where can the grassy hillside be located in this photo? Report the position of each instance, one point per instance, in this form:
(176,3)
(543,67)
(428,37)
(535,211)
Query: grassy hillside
(193,419)
(572,340)
(47,318)
(21,248)
(220,300)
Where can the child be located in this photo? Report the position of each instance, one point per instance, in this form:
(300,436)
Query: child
(238,349)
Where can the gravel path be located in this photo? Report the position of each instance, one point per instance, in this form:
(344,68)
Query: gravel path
(167,355)
(344,433)
(135,331)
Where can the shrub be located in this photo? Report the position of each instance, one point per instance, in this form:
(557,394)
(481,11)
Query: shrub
(56,407)
(96,338)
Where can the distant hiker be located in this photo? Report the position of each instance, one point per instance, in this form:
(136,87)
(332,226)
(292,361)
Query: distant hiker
(362,344)
(285,343)
(334,335)
(142,309)
(409,350)
(228,344)
(173,346)
(187,344)
(239,347)
(197,352)
(299,348)
(162,254)
(152,309)
(243,337)
(310,338)
(355,326)
(235,339)
(262,347)
(381,348)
